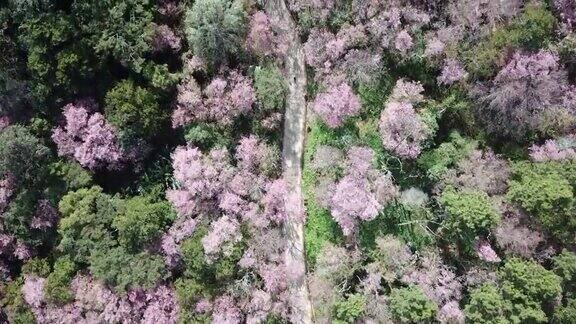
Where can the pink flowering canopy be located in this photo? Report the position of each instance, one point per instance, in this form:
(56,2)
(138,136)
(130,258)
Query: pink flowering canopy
(337,104)
(87,137)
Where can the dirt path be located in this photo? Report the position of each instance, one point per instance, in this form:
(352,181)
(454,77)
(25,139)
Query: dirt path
(292,150)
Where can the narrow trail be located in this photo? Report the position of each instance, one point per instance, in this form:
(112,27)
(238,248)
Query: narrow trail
(292,150)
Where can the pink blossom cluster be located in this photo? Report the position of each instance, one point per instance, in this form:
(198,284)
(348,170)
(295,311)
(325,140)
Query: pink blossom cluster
(528,66)
(261,40)
(452,71)
(87,137)
(438,281)
(94,303)
(481,170)
(485,251)
(554,150)
(223,99)
(402,130)
(337,104)
(231,193)
(165,39)
(567,11)
(362,193)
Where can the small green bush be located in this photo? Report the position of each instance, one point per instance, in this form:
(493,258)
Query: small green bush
(410,305)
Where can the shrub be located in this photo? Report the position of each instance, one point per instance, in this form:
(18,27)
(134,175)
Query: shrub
(546,191)
(133,110)
(486,305)
(125,271)
(410,305)
(270,87)
(57,286)
(215,30)
(469,213)
(350,309)
(140,221)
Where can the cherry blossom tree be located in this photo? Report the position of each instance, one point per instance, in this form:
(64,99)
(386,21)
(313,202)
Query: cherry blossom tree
(87,137)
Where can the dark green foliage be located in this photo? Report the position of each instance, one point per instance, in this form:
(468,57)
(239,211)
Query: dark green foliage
(57,286)
(133,110)
(160,76)
(469,213)
(140,220)
(438,161)
(565,267)
(530,289)
(215,30)
(409,224)
(545,190)
(12,301)
(410,305)
(350,309)
(206,135)
(270,87)
(119,28)
(122,270)
(566,314)
(24,159)
(72,175)
(59,59)
(85,227)
(486,305)
(208,273)
(36,266)
(23,156)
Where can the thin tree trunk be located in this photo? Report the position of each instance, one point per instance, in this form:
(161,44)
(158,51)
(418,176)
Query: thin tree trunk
(292,150)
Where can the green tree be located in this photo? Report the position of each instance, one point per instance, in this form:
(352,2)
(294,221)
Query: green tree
(120,28)
(24,160)
(123,270)
(57,287)
(140,220)
(350,309)
(469,213)
(486,305)
(410,305)
(133,110)
(530,288)
(215,30)
(270,87)
(87,215)
(545,190)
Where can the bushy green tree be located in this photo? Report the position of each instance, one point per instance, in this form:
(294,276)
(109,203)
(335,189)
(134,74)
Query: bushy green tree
(12,301)
(270,87)
(123,270)
(350,309)
(87,215)
(438,161)
(410,305)
(119,28)
(59,59)
(57,286)
(24,162)
(133,110)
(215,30)
(545,190)
(469,213)
(565,267)
(486,305)
(140,220)
(529,288)
(566,314)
